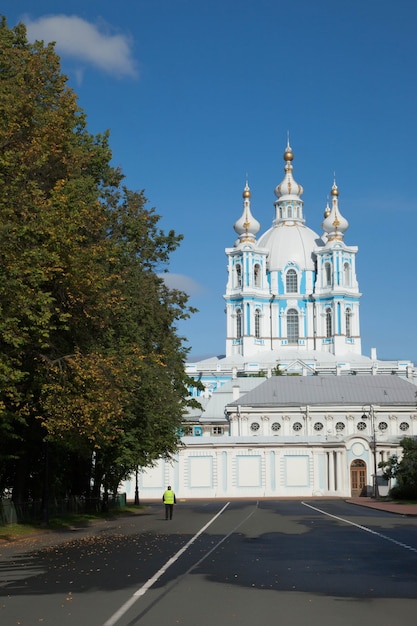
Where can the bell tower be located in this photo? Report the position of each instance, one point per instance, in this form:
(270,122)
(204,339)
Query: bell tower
(336,292)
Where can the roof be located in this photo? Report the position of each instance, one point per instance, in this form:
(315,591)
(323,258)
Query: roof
(290,241)
(270,358)
(213,407)
(319,390)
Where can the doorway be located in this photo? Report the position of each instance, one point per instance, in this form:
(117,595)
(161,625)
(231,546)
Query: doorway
(358,478)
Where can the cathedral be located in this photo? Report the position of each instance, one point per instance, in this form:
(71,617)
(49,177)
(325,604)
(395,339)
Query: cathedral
(292,288)
(292,296)
(293,408)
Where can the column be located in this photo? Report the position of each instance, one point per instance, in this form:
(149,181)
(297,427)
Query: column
(331,471)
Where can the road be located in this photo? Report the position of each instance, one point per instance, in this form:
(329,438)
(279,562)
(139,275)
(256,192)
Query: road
(219,563)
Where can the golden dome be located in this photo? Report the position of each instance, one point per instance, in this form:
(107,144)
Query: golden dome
(288,155)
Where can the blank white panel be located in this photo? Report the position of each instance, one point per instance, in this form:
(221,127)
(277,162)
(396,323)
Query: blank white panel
(200,471)
(248,470)
(296,471)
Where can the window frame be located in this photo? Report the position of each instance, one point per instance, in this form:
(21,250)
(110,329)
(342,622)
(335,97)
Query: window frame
(258,315)
(291,281)
(257,277)
(329,322)
(347,273)
(327,274)
(293,326)
(239,323)
(348,322)
(238,272)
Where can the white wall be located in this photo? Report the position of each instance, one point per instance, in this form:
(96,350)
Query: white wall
(214,468)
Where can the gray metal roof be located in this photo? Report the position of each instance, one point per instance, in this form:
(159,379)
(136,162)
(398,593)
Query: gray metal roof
(213,407)
(318,390)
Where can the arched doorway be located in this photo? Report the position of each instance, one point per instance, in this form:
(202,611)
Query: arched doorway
(358,478)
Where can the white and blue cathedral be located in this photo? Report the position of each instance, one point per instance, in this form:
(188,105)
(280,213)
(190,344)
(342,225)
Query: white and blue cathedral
(293,408)
(292,288)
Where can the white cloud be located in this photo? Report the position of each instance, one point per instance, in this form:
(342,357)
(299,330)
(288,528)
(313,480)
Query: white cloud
(91,43)
(182,283)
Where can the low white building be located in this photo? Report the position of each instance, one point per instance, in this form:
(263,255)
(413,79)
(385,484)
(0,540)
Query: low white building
(292,436)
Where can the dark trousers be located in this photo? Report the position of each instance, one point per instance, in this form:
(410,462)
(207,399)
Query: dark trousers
(169,509)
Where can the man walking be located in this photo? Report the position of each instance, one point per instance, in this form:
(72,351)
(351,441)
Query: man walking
(169,500)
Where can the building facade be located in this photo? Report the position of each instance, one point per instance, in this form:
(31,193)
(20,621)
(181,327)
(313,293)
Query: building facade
(293,408)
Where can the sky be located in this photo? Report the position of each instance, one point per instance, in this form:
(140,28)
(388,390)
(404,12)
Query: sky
(200,94)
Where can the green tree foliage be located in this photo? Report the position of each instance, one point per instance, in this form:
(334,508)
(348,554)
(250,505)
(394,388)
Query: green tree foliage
(404,472)
(91,365)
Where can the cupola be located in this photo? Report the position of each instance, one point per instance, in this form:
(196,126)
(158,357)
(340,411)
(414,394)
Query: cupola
(334,224)
(289,205)
(246,226)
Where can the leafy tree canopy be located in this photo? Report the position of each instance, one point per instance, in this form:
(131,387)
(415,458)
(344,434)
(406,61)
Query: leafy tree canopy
(404,471)
(90,359)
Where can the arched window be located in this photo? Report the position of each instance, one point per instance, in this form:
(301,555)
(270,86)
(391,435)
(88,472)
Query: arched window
(238,275)
(291,282)
(348,317)
(329,325)
(292,326)
(257,323)
(327,274)
(346,272)
(239,324)
(257,275)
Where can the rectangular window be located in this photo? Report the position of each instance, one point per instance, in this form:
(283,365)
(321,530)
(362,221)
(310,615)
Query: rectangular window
(291,281)
(292,326)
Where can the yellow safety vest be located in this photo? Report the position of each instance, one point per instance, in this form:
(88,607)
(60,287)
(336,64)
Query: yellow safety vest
(169,497)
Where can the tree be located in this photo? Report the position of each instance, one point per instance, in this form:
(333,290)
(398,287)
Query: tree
(404,472)
(91,366)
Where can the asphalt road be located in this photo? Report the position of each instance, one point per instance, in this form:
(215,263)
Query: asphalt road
(218,563)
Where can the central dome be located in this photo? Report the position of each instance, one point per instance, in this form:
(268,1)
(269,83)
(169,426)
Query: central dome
(290,242)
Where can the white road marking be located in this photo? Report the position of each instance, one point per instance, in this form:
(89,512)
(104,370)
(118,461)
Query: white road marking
(146,586)
(368,530)
(219,543)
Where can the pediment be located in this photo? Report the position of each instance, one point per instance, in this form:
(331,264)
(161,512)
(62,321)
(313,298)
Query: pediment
(297,365)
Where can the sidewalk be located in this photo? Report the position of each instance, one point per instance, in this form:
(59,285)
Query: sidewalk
(389,507)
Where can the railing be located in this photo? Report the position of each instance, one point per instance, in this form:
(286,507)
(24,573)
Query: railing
(34,511)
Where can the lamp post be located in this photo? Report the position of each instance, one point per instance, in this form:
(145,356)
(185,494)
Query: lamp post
(45,504)
(369,413)
(136,486)
(311,299)
(270,318)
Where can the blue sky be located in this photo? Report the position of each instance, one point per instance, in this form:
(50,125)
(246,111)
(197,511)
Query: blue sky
(198,93)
